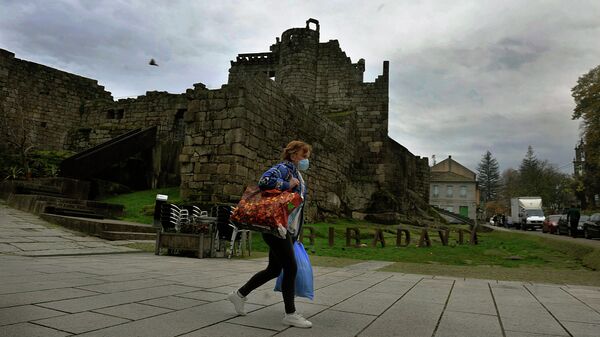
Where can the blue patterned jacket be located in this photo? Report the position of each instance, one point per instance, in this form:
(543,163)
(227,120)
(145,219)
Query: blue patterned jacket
(278,177)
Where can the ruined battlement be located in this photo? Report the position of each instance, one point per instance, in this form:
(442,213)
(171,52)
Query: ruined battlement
(301,89)
(216,142)
(46,101)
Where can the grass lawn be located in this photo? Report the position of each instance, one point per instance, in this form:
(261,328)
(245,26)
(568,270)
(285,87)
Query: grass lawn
(499,255)
(494,248)
(139,206)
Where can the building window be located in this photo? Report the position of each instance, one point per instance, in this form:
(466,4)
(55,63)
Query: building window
(449,191)
(436,191)
(463,191)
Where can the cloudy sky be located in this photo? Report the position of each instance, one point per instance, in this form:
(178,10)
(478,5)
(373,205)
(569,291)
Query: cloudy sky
(466,76)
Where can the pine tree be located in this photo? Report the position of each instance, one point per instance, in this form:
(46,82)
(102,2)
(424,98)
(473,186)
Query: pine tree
(530,173)
(488,177)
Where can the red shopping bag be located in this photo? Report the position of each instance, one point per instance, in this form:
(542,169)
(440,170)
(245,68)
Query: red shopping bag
(267,208)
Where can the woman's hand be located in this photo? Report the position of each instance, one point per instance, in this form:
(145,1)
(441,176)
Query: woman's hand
(293,183)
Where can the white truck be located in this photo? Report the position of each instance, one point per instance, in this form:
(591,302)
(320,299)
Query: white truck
(527,213)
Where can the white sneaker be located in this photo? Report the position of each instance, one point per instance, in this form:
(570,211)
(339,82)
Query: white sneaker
(238,302)
(296,320)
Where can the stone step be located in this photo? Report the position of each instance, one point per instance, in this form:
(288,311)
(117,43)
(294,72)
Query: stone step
(97,226)
(119,226)
(37,204)
(75,212)
(113,236)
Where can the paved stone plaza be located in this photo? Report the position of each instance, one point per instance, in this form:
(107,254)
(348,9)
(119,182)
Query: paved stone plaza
(140,294)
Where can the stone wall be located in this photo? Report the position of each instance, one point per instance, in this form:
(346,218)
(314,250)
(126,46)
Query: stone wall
(102,120)
(63,111)
(43,102)
(301,89)
(235,133)
(222,140)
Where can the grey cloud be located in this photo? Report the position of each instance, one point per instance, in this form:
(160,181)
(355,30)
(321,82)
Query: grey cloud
(512,54)
(465,76)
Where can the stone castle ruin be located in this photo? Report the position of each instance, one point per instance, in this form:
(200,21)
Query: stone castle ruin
(214,143)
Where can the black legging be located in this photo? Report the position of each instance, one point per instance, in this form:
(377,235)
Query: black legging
(281,256)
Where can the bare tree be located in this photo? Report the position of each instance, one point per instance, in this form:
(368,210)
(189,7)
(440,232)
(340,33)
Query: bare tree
(18,134)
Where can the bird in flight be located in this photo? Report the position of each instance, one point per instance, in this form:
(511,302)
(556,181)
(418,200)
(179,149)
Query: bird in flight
(152,63)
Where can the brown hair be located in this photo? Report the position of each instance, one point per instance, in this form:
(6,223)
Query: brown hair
(293,147)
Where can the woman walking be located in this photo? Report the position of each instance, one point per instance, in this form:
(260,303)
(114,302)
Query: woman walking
(283,176)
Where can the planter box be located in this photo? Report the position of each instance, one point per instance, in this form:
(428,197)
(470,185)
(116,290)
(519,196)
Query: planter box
(201,243)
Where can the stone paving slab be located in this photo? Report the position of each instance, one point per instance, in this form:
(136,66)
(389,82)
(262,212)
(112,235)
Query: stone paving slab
(173,323)
(41,296)
(471,300)
(133,311)
(332,323)
(25,313)
(270,317)
(40,284)
(80,322)
(174,302)
(10,239)
(461,324)
(30,330)
(106,300)
(229,330)
(266,296)
(583,329)
(207,296)
(113,287)
(406,318)
(368,303)
(6,248)
(531,319)
(527,334)
(574,313)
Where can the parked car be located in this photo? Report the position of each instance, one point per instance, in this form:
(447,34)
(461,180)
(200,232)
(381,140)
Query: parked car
(551,224)
(563,225)
(591,227)
(564,228)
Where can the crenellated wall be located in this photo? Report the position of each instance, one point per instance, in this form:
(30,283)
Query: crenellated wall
(220,141)
(102,120)
(300,89)
(235,133)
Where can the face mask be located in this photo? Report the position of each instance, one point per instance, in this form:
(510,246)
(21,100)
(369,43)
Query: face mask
(303,165)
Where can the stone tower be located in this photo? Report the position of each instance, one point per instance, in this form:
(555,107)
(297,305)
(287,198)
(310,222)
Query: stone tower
(298,52)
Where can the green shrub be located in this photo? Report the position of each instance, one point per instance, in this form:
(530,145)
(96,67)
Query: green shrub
(45,163)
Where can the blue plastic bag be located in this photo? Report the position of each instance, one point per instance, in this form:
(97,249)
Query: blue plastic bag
(304,276)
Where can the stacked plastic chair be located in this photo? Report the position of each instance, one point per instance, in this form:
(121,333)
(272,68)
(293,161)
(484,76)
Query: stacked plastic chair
(227,231)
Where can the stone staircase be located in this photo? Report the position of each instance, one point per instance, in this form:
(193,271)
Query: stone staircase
(104,228)
(38,204)
(57,201)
